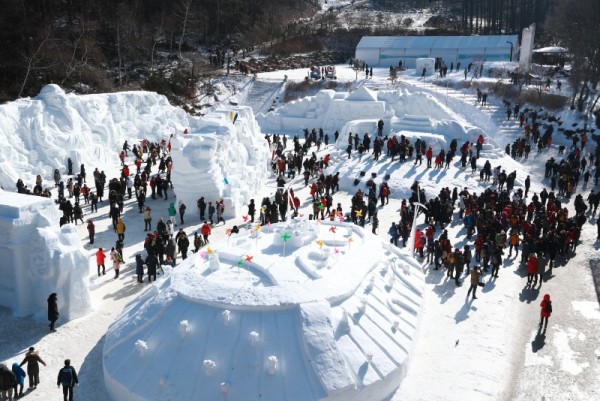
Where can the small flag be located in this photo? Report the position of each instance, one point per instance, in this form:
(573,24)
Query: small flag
(320,243)
(209,250)
(249,258)
(225,181)
(245,218)
(332,229)
(286,237)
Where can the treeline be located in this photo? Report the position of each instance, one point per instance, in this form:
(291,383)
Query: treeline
(98,43)
(485,17)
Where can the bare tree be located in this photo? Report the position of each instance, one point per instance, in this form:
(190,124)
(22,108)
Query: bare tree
(357,66)
(34,58)
(393,75)
(186,9)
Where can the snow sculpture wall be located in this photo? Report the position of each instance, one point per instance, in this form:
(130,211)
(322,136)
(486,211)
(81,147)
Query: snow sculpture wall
(223,156)
(39,258)
(296,311)
(359,112)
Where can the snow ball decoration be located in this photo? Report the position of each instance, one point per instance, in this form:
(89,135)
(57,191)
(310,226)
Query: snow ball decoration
(183,327)
(344,325)
(371,284)
(369,357)
(253,338)
(226,317)
(272,360)
(396,324)
(213,261)
(209,366)
(224,387)
(141,347)
(363,305)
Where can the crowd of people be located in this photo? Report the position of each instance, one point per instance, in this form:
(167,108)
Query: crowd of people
(500,221)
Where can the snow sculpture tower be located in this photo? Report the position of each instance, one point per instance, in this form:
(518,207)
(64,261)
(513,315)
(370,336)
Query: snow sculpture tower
(222,157)
(39,258)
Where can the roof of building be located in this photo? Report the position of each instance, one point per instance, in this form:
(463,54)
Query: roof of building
(427,42)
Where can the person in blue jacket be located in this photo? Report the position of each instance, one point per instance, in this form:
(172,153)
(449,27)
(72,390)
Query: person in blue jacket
(20,375)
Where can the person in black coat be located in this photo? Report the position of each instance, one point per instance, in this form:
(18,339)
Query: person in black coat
(251,210)
(52,310)
(8,381)
(152,263)
(170,250)
(139,268)
(67,376)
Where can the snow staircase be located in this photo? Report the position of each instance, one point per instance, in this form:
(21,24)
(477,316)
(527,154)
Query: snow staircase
(414,123)
(492,117)
(263,94)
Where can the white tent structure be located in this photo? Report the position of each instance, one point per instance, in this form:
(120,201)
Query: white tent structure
(390,50)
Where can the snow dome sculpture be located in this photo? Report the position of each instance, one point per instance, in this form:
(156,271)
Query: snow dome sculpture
(310,315)
(222,157)
(39,258)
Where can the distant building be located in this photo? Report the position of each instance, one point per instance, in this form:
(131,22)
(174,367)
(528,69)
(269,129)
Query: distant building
(388,51)
(552,55)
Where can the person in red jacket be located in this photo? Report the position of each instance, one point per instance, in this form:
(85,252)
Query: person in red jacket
(205,230)
(100,256)
(546,311)
(429,156)
(532,265)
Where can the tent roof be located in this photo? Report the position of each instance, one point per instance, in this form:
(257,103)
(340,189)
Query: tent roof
(551,49)
(437,42)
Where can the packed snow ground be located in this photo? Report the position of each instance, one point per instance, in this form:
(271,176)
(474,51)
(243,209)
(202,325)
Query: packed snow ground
(482,350)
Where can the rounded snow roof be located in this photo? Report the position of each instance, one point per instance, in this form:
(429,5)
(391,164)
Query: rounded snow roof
(302,310)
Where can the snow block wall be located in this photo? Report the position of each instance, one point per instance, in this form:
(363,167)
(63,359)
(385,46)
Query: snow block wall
(359,111)
(39,258)
(224,156)
(43,132)
(296,311)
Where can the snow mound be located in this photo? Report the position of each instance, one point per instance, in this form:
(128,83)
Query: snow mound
(223,156)
(299,310)
(39,258)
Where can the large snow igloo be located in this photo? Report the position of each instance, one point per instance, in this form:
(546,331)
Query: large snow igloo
(39,258)
(301,310)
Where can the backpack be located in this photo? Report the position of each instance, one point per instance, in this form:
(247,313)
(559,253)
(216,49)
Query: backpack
(66,375)
(548,307)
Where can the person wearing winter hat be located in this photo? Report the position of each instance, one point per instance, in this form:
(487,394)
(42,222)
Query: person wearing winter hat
(545,312)
(100,257)
(475,277)
(20,376)
(52,310)
(8,382)
(32,359)
(91,230)
(67,376)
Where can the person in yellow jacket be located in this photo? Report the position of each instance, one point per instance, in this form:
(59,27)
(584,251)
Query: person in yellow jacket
(120,229)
